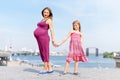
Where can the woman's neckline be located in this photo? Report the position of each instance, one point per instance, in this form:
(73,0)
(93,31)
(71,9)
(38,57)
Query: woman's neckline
(45,19)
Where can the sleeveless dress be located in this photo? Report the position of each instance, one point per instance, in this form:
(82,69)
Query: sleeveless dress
(76,52)
(42,37)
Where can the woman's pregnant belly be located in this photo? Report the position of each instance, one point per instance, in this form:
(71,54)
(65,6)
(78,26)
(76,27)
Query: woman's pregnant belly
(40,32)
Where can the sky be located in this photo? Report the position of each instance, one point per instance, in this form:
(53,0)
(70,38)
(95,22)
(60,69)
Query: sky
(100,20)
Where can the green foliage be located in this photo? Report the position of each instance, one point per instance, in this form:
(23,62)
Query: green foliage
(108,54)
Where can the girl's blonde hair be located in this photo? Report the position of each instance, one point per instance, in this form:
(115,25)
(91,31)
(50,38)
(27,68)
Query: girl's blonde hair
(51,14)
(76,21)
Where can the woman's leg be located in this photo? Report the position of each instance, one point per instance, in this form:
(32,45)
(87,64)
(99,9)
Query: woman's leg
(45,67)
(66,66)
(49,66)
(76,67)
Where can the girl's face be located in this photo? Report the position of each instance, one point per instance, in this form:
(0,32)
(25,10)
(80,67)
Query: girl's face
(76,26)
(46,13)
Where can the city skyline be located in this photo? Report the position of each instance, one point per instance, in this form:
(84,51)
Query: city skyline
(99,21)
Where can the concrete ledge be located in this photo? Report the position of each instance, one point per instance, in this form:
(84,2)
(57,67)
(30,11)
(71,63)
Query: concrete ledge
(117,60)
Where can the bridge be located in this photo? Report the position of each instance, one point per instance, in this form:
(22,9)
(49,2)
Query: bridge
(88,51)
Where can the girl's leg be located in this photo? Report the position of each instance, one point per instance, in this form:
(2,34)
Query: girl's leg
(76,67)
(66,66)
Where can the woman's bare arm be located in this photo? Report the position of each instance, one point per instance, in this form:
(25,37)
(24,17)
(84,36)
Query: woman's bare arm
(49,21)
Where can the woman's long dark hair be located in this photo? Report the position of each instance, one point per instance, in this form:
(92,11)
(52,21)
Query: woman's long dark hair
(51,14)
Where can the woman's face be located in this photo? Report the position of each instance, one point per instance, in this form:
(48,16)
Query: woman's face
(46,13)
(76,26)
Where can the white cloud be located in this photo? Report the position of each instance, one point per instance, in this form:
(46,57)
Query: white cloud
(78,8)
(109,6)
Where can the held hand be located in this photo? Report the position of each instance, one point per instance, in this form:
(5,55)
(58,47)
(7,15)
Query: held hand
(55,44)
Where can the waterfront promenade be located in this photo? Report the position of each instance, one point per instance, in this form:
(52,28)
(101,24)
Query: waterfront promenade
(22,71)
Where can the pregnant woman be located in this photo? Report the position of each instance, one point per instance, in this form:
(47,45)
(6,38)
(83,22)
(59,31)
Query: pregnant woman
(42,37)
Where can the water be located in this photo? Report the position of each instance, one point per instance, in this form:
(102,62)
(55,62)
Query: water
(93,61)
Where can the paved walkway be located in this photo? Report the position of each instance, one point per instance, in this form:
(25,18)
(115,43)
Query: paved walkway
(15,71)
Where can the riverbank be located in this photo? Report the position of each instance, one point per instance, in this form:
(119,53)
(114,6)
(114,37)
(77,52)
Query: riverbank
(93,61)
(22,71)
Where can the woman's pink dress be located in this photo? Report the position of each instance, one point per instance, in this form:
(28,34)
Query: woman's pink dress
(76,52)
(42,37)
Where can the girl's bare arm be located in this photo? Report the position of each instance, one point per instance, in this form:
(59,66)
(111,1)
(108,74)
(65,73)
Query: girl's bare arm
(65,39)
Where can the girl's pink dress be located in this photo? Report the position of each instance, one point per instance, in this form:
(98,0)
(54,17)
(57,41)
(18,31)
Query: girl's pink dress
(76,52)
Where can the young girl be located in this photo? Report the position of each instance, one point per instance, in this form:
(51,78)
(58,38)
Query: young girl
(76,52)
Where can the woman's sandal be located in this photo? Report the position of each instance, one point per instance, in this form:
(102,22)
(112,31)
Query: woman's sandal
(50,71)
(43,72)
